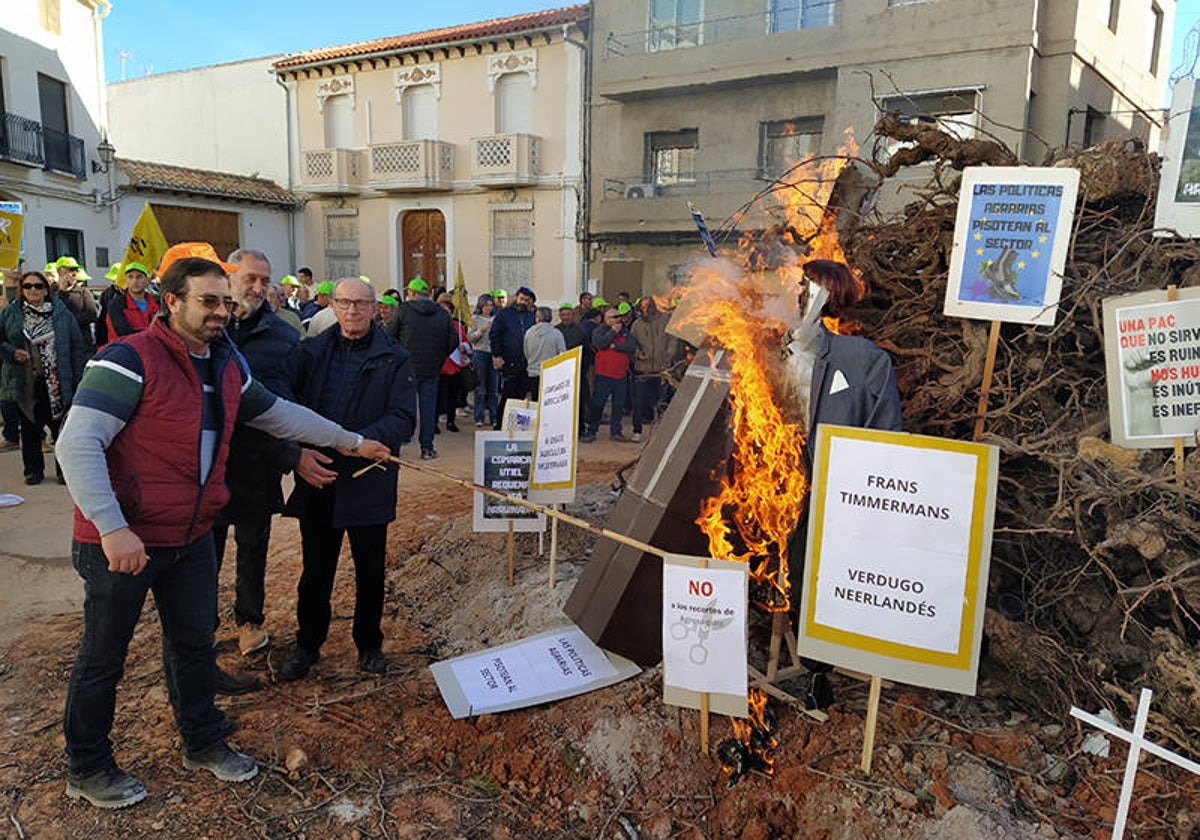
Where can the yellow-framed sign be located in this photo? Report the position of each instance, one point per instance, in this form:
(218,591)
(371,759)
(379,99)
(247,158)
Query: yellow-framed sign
(899,544)
(556,438)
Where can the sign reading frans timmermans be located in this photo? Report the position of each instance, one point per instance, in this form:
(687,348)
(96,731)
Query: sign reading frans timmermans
(899,539)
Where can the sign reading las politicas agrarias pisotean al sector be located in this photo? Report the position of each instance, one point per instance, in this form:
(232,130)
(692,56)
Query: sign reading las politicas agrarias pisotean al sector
(1010,243)
(899,538)
(1152,363)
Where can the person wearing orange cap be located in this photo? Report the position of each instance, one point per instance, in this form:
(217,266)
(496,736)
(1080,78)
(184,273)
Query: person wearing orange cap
(144,450)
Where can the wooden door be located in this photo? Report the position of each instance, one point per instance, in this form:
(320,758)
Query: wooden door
(423,241)
(219,228)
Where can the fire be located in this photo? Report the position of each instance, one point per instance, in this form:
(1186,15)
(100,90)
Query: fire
(746,308)
(750,747)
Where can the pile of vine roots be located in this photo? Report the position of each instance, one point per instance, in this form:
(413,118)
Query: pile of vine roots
(1095,576)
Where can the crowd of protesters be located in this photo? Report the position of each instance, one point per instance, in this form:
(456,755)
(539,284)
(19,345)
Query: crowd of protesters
(173,403)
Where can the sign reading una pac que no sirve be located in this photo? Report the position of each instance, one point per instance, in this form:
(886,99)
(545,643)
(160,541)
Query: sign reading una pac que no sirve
(898,548)
(1152,363)
(1010,243)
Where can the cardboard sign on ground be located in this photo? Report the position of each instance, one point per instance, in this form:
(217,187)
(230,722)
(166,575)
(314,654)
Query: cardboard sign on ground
(549,666)
(899,541)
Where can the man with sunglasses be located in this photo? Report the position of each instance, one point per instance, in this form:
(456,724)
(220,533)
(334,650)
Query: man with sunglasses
(144,450)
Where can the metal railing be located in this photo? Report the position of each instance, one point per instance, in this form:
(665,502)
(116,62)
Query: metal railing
(698,183)
(779,17)
(21,140)
(64,153)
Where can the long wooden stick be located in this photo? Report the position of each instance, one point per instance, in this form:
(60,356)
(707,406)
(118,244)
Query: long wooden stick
(528,505)
(704,697)
(553,546)
(989,367)
(872,719)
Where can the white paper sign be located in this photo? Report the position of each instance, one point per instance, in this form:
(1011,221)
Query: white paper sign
(549,666)
(898,577)
(704,627)
(553,478)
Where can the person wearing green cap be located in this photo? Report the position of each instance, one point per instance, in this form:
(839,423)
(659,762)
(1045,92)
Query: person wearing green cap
(291,286)
(132,311)
(500,297)
(320,301)
(427,332)
(79,300)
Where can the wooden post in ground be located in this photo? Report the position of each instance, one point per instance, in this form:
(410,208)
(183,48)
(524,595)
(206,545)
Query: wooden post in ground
(985,388)
(553,545)
(704,697)
(872,720)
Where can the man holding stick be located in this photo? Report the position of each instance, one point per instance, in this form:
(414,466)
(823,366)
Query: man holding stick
(144,450)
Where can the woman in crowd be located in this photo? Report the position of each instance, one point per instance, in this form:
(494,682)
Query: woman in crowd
(449,378)
(43,354)
(487,391)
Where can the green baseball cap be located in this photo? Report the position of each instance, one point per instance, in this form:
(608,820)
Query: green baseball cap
(389,300)
(624,308)
(598,302)
(500,293)
(417,285)
(136,266)
(566,304)
(325,287)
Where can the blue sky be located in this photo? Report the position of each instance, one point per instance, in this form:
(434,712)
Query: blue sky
(165,35)
(159,36)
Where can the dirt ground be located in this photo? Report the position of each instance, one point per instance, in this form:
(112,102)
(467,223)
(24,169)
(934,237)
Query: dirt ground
(347,755)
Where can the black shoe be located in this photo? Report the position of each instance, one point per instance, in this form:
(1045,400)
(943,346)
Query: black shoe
(298,666)
(62,479)
(428,454)
(373,661)
(587,438)
(451,427)
(108,788)
(233,684)
(226,764)
(437,430)
(34,479)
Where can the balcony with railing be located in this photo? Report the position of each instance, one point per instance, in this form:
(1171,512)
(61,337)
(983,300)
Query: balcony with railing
(411,165)
(680,51)
(505,160)
(331,171)
(64,153)
(21,140)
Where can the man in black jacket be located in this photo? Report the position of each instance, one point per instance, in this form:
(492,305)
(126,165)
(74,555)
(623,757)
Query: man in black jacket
(356,373)
(257,461)
(426,331)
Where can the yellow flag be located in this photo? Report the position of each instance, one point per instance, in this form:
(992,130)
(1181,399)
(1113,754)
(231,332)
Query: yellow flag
(146,244)
(462,304)
(10,238)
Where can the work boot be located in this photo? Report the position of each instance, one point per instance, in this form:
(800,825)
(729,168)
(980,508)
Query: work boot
(111,787)
(298,666)
(234,684)
(252,637)
(373,661)
(226,764)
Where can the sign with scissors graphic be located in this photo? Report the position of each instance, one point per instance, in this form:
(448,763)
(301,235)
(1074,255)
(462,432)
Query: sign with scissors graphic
(704,626)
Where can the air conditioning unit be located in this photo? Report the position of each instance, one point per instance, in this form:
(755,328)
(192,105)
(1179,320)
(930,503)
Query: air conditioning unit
(641,190)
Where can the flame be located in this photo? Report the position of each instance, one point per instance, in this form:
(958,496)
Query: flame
(747,305)
(752,743)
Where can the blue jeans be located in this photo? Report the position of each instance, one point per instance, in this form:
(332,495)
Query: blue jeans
(645,400)
(487,392)
(184,583)
(427,391)
(605,388)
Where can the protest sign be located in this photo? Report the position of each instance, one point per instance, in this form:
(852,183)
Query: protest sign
(1010,243)
(1152,363)
(1177,210)
(704,625)
(10,238)
(553,477)
(549,666)
(502,463)
(899,540)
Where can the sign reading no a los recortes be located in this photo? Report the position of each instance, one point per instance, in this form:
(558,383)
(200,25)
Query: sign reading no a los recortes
(898,547)
(1010,243)
(502,463)
(1152,361)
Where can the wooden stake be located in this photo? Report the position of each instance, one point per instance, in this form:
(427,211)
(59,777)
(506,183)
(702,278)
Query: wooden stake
(525,503)
(553,546)
(872,717)
(777,623)
(1173,294)
(511,552)
(704,697)
(985,388)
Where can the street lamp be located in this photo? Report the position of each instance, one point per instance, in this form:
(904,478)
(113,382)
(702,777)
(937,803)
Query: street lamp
(107,153)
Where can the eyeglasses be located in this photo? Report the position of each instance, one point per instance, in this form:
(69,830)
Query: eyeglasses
(213,301)
(343,303)
(28,286)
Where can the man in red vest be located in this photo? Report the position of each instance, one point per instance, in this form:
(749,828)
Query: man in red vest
(144,450)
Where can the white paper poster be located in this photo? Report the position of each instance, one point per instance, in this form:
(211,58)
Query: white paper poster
(704,626)
(553,478)
(550,666)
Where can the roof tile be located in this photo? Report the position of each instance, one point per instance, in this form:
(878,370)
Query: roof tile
(161,177)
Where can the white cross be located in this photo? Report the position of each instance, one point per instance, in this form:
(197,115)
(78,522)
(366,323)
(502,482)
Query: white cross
(1136,745)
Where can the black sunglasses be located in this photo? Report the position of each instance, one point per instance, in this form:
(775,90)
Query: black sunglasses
(33,286)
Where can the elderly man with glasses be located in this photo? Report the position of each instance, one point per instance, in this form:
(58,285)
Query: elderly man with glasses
(144,450)
(356,375)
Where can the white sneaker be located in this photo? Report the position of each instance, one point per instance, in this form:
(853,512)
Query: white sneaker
(637,437)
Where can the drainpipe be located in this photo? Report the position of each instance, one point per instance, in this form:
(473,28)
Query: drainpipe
(583,194)
(291,227)
(99,12)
